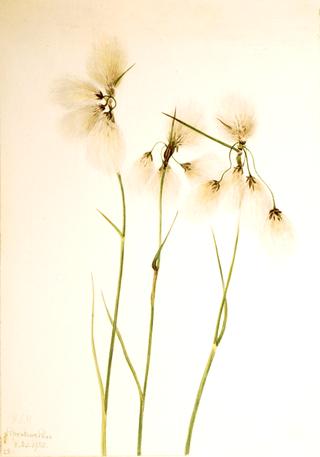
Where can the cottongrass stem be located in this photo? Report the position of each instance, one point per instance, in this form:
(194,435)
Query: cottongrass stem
(215,343)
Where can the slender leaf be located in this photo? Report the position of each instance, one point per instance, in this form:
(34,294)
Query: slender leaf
(111,223)
(201,132)
(124,349)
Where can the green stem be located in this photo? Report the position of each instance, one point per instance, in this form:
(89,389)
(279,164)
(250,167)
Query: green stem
(198,398)
(247,162)
(156,266)
(225,307)
(101,389)
(163,174)
(116,307)
(211,355)
(230,163)
(124,350)
(261,179)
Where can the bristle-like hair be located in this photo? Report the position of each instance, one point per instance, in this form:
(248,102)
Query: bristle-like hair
(236,118)
(234,187)
(81,121)
(179,134)
(106,149)
(200,169)
(107,63)
(278,234)
(255,204)
(72,93)
(172,186)
(142,171)
(203,202)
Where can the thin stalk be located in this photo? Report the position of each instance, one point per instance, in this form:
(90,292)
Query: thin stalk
(116,307)
(124,350)
(101,388)
(247,161)
(211,354)
(261,179)
(230,162)
(225,307)
(156,266)
(156,257)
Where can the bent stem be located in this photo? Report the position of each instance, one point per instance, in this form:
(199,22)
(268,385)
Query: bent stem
(116,307)
(225,307)
(124,350)
(155,266)
(212,353)
(98,372)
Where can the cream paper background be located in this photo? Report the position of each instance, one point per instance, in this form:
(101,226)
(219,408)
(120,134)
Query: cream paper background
(262,397)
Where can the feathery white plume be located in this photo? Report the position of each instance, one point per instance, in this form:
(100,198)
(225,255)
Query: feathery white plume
(278,233)
(107,64)
(91,106)
(203,201)
(179,134)
(142,171)
(200,169)
(72,93)
(106,148)
(236,118)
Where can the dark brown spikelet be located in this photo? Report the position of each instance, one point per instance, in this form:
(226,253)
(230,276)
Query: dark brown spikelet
(275,214)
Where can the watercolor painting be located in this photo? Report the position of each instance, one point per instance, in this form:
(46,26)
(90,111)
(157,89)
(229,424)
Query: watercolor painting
(159,285)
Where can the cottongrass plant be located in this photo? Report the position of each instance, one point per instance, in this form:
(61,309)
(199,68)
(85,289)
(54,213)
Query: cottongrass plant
(91,108)
(164,176)
(178,136)
(242,180)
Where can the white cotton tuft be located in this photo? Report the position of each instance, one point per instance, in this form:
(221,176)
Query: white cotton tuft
(172,186)
(81,121)
(72,93)
(203,202)
(278,236)
(236,119)
(233,190)
(106,149)
(141,172)
(255,204)
(200,169)
(181,135)
(107,63)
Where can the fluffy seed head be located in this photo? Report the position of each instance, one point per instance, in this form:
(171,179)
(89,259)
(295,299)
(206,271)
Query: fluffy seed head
(278,233)
(72,93)
(171,186)
(255,203)
(237,120)
(80,121)
(179,134)
(106,148)
(233,183)
(107,64)
(142,172)
(91,106)
(200,169)
(203,201)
